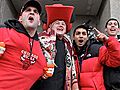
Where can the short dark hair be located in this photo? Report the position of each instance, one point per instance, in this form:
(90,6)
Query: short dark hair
(110,20)
(81,26)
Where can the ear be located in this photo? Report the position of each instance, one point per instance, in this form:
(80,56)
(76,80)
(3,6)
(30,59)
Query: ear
(20,19)
(88,38)
(50,25)
(105,29)
(72,37)
(39,20)
(118,29)
(39,23)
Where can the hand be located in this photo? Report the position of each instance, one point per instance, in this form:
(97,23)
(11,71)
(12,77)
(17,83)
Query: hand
(2,48)
(51,32)
(100,36)
(48,30)
(48,71)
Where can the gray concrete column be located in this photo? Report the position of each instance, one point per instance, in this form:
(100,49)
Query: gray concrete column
(115,10)
(6,10)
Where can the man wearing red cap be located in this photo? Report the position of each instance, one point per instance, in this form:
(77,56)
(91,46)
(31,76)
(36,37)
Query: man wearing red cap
(21,57)
(60,73)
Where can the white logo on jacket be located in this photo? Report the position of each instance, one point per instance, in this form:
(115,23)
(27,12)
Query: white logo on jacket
(28,59)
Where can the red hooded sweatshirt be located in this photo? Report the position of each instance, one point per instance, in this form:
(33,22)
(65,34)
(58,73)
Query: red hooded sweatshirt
(22,62)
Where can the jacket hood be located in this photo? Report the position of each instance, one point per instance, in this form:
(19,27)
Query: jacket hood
(15,24)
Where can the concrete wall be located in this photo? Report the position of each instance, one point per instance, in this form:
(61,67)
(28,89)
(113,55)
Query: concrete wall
(104,15)
(111,9)
(115,10)
(6,10)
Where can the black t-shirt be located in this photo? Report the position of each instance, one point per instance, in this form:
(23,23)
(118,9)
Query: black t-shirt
(57,81)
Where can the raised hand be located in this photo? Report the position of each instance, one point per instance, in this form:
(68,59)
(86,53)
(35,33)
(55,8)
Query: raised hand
(100,36)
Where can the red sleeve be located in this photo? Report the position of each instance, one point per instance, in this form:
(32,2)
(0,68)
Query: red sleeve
(109,54)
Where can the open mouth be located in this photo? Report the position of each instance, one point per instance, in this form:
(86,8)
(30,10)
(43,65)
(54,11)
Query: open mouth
(112,29)
(80,41)
(60,28)
(31,19)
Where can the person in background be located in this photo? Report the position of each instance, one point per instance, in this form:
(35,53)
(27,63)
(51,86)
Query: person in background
(60,72)
(112,75)
(21,58)
(90,56)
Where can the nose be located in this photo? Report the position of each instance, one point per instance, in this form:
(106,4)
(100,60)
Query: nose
(112,25)
(80,35)
(60,26)
(32,12)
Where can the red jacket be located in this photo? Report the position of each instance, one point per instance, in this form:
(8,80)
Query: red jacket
(17,70)
(90,75)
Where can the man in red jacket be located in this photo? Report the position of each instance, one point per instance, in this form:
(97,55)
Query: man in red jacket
(90,56)
(21,57)
(112,75)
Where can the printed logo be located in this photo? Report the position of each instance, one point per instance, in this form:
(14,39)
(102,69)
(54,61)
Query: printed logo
(28,59)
